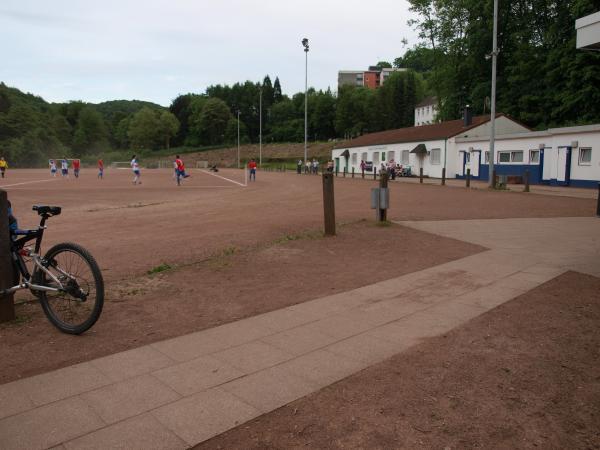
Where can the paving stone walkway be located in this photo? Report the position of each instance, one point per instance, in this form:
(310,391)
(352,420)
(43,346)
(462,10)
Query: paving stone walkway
(177,393)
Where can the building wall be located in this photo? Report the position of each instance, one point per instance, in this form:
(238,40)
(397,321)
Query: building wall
(425,115)
(371,80)
(350,78)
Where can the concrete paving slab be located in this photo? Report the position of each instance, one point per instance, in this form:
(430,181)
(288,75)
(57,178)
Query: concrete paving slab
(188,347)
(340,326)
(63,383)
(323,368)
(299,340)
(204,415)
(236,333)
(143,432)
(271,388)
(13,399)
(131,363)
(197,375)
(253,357)
(48,425)
(365,348)
(129,398)
(284,319)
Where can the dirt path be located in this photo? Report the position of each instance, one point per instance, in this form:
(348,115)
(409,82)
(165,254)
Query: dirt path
(525,375)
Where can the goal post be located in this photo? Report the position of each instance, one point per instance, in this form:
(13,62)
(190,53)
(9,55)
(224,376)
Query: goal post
(120,165)
(201,164)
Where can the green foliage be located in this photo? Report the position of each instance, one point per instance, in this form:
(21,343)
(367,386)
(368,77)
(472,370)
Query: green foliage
(210,122)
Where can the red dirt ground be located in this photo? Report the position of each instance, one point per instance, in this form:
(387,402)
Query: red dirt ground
(130,229)
(525,375)
(236,284)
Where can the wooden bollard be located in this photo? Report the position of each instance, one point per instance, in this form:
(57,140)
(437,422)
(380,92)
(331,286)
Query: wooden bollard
(328,204)
(598,205)
(352,171)
(526,189)
(7,306)
(363,173)
(468,178)
(421,175)
(443,176)
(344,173)
(374,173)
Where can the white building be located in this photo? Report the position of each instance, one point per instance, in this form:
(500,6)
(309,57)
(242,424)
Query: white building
(567,156)
(559,156)
(431,147)
(426,112)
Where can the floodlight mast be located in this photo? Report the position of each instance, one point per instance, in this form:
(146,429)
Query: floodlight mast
(306,47)
(492,182)
(238,133)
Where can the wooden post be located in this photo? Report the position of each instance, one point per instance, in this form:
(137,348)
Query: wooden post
(443,176)
(328,204)
(421,175)
(468,178)
(494,180)
(383,183)
(352,171)
(7,306)
(344,173)
(336,170)
(374,173)
(526,181)
(363,172)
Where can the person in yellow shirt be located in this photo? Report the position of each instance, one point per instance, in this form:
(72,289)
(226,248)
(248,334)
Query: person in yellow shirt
(3,166)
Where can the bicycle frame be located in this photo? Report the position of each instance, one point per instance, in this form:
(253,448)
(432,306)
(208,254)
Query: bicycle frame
(18,251)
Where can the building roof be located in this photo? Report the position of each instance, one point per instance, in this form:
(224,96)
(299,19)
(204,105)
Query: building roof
(427,101)
(423,133)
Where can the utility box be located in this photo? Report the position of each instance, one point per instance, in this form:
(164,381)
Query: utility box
(380,198)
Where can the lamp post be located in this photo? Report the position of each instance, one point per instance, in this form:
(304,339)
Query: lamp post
(238,130)
(260,129)
(305,44)
(492,182)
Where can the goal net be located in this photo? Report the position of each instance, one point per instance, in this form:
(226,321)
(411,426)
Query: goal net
(201,164)
(121,164)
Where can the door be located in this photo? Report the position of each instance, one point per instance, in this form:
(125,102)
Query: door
(337,164)
(564,165)
(462,158)
(476,158)
(550,161)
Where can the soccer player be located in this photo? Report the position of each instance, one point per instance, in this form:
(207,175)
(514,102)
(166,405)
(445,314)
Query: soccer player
(252,169)
(179,170)
(76,166)
(3,166)
(100,169)
(53,168)
(136,170)
(64,167)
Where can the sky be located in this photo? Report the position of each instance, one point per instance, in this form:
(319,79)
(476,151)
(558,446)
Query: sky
(154,50)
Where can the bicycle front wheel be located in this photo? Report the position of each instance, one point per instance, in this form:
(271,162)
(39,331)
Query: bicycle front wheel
(77,306)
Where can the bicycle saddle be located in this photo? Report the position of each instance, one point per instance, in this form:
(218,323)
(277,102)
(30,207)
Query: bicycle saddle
(47,210)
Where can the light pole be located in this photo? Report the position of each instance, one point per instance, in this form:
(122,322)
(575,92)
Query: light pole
(238,124)
(492,182)
(260,129)
(305,44)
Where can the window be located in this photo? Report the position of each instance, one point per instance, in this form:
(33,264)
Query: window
(435,156)
(467,157)
(534,156)
(383,156)
(375,158)
(405,156)
(364,156)
(354,157)
(503,157)
(392,155)
(585,156)
(516,156)
(487,157)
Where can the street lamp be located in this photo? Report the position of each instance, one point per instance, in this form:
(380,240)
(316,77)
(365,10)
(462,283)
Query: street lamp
(305,44)
(238,124)
(260,129)
(492,182)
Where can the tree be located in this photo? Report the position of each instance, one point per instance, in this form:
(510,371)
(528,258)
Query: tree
(277,94)
(211,122)
(144,129)
(168,126)
(384,65)
(90,132)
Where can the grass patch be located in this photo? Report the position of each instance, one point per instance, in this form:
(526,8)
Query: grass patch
(160,268)
(309,234)
(383,224)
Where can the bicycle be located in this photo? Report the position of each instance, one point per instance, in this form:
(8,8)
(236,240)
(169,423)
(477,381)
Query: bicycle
(67,280)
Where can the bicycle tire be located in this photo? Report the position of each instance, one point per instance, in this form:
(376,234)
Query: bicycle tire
(70,303)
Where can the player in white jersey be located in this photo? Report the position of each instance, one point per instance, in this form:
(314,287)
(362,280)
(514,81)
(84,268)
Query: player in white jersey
(136,170)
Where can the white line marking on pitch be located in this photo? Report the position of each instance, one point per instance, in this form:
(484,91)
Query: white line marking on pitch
(27,182)
(223,178)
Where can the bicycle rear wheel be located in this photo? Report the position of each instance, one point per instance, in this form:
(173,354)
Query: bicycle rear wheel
(78,306)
